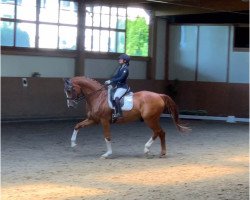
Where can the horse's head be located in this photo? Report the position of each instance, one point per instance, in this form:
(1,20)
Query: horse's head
(73,93)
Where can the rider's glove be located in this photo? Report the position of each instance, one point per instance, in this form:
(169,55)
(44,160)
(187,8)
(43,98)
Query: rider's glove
(107,82)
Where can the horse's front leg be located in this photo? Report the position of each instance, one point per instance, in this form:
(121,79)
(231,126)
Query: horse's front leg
(82,124)
(107,137)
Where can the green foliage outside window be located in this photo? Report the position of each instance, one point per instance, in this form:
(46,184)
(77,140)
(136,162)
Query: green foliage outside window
(137,37)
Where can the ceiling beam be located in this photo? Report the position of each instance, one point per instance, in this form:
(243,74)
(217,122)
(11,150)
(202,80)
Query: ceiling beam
(180,7)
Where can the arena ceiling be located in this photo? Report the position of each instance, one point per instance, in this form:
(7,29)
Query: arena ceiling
(183,7)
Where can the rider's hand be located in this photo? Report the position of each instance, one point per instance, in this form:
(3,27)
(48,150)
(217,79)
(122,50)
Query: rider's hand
(107,82)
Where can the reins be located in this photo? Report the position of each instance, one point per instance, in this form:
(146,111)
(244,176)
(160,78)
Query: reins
(83,97)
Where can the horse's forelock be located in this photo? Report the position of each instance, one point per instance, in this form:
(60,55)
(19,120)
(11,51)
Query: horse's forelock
(67,83)
(67,80)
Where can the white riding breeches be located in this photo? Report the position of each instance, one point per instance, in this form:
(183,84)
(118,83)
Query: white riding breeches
(119,92)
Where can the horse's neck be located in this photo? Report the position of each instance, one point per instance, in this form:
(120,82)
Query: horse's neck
(86,89)
(91,91)
(97,101)
(89,87)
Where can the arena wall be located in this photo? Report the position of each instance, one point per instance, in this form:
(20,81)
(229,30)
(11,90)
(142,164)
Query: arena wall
(44,98)
(199,68)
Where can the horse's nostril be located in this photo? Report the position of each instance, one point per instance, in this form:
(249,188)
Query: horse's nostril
(70,104)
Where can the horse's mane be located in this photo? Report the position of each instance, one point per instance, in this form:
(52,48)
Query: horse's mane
(90,81)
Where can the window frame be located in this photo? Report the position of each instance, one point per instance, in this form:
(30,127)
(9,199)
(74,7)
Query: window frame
(100,28)
(37,23)
(80,47)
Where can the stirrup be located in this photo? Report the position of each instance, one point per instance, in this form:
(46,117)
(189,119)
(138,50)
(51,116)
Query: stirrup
(115,117)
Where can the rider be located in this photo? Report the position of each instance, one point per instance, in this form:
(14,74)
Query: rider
(119,84)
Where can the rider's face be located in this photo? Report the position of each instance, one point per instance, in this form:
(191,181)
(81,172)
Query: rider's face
(121,61)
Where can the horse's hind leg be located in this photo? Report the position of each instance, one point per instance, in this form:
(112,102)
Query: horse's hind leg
(163,144)
(149,143)
(157,131)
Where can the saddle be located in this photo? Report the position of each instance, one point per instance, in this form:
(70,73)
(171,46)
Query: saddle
(126,100)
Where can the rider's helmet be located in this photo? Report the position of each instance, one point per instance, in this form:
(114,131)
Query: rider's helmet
(124,57)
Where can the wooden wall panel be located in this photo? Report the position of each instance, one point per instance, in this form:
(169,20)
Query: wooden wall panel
(44,98)
(218,99)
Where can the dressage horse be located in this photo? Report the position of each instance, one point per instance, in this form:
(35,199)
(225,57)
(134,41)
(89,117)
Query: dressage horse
(147,106)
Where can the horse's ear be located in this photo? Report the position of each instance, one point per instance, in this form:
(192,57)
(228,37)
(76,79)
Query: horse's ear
(66,80)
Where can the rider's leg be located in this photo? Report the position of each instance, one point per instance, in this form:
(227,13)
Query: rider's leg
(118,107)
(118,94)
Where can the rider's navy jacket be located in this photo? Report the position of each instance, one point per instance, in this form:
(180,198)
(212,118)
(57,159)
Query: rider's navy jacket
(120,77)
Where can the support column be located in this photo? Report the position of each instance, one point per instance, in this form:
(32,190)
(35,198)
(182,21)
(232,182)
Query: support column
(152,43)
(80,58)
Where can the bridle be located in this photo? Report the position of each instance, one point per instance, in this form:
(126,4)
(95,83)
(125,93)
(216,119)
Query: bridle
(81,97)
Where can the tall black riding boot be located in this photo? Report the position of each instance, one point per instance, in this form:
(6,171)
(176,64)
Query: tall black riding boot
(118,107)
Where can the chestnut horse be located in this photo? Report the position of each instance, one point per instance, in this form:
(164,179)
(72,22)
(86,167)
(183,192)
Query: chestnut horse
(146,105)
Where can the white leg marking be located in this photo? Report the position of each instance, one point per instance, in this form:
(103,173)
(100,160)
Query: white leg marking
(148,145)
(67,99)
(109,149)
(73,138)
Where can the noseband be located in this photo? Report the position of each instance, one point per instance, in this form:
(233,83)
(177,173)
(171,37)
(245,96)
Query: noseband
(74,97)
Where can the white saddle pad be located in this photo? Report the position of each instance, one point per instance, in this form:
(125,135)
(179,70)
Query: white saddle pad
(128,102)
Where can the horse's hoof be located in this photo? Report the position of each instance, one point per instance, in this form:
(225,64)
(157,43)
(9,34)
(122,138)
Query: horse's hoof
(163,156)
(105,156)
(146,151)
(73,144)
(149,156)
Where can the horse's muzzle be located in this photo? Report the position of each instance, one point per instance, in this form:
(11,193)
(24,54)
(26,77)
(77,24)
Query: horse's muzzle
(71,104)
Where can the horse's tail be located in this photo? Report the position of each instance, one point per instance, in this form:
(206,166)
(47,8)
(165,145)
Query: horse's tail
(171,106)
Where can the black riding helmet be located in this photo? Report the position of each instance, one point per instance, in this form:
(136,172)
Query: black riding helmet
(124,57)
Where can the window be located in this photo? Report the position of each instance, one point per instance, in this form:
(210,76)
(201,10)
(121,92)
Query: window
(21,33)
(241,37)
(55,27)
(116,29)
(105,29)
(7,9)
(137,34)
(58,20)
(53,24)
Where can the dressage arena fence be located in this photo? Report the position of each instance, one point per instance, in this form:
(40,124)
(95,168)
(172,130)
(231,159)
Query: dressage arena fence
(229,119)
